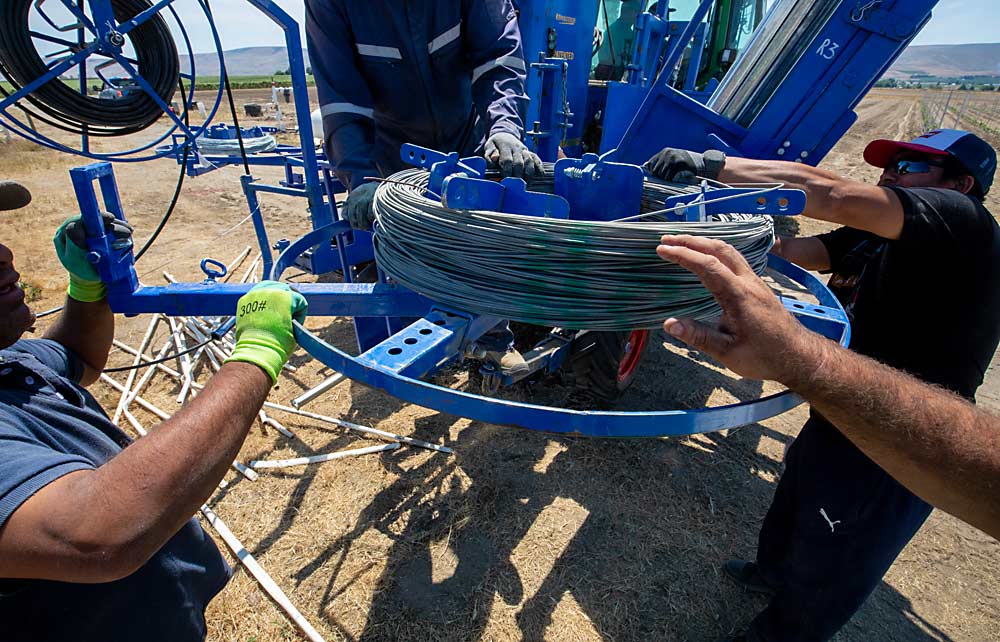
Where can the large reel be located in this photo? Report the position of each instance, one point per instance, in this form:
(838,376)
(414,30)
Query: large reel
(126,45)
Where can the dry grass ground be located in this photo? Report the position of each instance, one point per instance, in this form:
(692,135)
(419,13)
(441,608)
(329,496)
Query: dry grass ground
(518,535)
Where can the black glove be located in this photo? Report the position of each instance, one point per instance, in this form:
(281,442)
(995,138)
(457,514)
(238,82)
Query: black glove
(682,166)
(359,208)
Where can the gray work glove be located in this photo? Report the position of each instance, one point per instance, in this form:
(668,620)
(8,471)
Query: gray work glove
(682,166)
(513,157)
(359,208)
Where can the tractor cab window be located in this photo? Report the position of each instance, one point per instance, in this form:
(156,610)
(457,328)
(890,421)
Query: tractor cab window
(613,37)
(746,16)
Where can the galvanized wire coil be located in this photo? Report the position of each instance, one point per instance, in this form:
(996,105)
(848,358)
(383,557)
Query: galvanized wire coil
(583,275)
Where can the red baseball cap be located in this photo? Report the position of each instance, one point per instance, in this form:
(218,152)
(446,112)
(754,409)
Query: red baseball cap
(974,154)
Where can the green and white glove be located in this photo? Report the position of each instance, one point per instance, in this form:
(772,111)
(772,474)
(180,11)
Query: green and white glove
(71,248)
(264,326)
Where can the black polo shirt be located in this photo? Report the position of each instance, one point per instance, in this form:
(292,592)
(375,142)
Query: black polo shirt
(929,302)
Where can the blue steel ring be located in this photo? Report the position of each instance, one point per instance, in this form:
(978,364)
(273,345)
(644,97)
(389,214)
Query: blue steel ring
(588,423)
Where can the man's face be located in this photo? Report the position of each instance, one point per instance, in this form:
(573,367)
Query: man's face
(913,169)
(15,317)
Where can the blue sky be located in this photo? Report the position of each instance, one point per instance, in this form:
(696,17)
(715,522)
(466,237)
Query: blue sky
(954,22)
(961,21)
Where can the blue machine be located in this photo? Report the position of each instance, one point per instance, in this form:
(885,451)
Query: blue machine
(790,95)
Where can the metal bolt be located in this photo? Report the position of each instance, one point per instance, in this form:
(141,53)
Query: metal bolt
(116,39)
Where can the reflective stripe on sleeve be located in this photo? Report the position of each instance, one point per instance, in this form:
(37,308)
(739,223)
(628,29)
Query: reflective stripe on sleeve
(446,38)
(378,51)
(346,108)
(506,61)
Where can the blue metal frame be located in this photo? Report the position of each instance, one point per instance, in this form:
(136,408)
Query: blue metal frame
(436,337)
(560,420)
(839,66)
(792,124)
(555,32)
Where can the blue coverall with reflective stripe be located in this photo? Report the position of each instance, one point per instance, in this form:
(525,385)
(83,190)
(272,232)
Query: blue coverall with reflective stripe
(444,74)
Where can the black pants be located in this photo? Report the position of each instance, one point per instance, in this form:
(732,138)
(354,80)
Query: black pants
(836,524)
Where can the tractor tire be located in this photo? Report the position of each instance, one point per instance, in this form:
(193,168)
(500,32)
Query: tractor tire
(602,365)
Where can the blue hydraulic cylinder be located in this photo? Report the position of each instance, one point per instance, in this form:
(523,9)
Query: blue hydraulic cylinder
(548,132)
(650,39)
(561,29)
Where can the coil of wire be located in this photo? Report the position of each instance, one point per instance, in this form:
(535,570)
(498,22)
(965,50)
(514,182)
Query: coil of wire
(583,275)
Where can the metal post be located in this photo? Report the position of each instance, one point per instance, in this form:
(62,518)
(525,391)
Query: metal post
(961,111)
(316,391)
(945,110)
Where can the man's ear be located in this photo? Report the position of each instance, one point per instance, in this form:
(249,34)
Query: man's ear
(964,183)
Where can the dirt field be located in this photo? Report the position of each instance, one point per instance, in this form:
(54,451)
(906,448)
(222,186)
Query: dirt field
(517,535)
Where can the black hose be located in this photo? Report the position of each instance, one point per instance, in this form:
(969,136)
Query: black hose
(182,172)
(143,364)
(65,108)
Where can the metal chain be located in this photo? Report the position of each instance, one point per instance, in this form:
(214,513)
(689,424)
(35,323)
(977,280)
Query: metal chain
(858,13)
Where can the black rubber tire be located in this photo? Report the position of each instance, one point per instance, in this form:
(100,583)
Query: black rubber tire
(593,366)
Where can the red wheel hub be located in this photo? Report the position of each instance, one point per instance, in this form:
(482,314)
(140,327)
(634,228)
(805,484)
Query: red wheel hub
(633,351)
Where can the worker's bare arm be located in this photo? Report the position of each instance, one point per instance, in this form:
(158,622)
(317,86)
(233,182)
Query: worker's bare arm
(936,444)
(103,524)
(808,252)
(828,197)
(87,329)
(932,441)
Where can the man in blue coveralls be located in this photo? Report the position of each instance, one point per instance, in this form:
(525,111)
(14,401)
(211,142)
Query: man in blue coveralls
(97,538)
(444,74)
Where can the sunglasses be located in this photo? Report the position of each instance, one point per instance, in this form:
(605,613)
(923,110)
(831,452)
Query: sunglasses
(903,167)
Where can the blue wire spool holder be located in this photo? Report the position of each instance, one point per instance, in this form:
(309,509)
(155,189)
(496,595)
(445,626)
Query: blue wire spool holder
(398,362)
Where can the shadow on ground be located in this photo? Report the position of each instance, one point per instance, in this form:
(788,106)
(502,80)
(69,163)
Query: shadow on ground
(579,538)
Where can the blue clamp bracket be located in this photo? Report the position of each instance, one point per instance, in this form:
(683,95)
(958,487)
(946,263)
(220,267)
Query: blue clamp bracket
(510,195)
(113,261)
(599,190)
(442,165)
(728,200)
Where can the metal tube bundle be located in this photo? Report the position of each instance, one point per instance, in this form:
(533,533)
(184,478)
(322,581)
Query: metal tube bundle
(585,275)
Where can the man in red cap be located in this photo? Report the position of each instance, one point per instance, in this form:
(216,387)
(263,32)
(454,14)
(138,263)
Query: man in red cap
(915,265)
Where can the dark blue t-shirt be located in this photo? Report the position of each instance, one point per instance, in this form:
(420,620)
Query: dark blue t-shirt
(49,426)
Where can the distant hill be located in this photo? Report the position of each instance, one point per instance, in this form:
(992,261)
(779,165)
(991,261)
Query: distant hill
(248,61)
(942,61)
(947,61)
